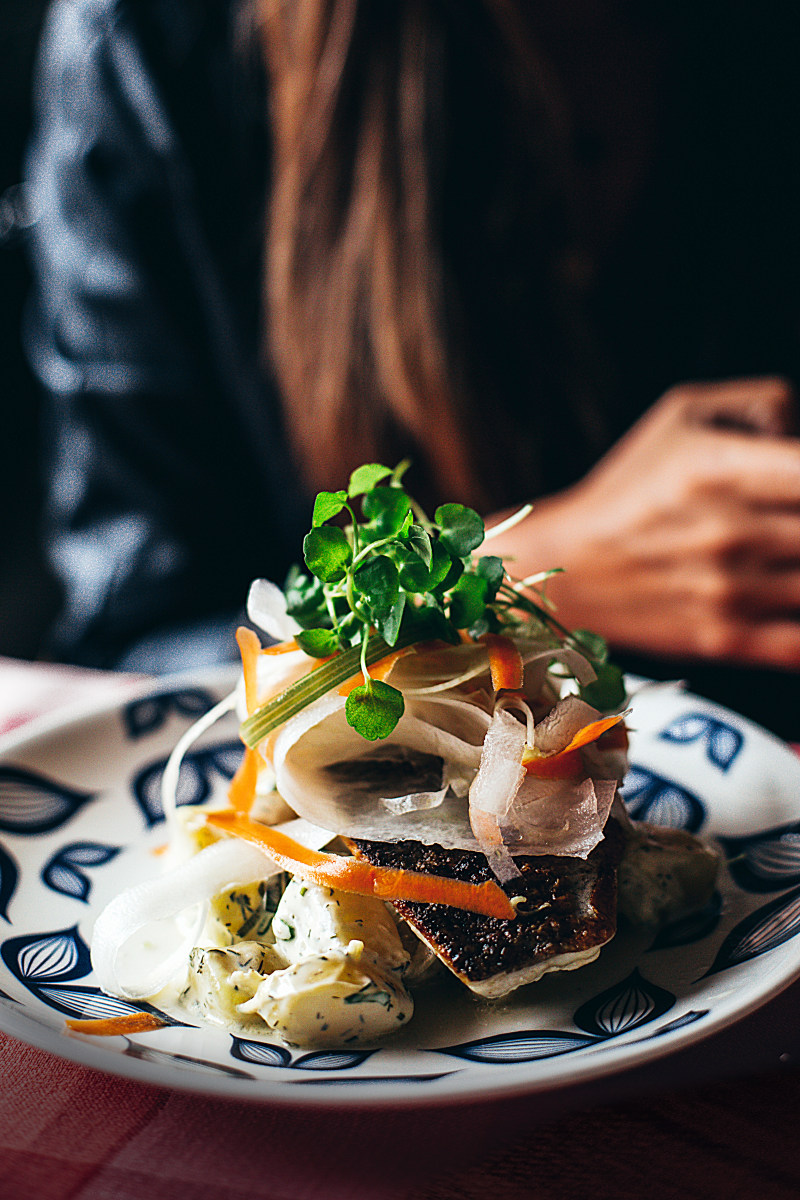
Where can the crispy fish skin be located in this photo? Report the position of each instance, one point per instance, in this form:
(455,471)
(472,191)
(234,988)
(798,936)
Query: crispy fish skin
(568,914)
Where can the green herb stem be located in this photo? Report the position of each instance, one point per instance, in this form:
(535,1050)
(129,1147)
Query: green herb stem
(331,608)
(422,517)
(315,685)
(355,530)
(516,599)
(370,548)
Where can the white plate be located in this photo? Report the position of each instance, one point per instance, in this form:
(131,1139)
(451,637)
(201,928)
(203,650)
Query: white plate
(80,819)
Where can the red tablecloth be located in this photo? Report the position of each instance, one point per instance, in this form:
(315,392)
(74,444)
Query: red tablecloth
(717,1120)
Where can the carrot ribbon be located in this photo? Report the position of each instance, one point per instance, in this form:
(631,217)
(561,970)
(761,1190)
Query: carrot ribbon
(363,878)
(141,1022)
(505,662)
(568,764)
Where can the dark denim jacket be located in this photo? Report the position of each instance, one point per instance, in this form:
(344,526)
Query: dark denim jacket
(169,480)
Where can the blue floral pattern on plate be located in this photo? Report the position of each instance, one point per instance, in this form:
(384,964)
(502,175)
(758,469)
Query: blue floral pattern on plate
(199,771)
(765,862)
(145,716)
(80,817)
(721,740)
(33,804)
(65,872)
(761,931)
(651,797)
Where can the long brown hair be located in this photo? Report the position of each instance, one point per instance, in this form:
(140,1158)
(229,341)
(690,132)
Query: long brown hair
(416,235)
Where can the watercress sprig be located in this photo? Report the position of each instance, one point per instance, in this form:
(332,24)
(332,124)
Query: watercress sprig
(392,571)
(390,577)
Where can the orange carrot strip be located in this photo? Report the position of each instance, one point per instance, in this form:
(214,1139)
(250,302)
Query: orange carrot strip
(280,648)
(362,878)
(505,662)
(141,1022)
(567,764)
(378,670)
(249,648)
(592,731)
(242,790)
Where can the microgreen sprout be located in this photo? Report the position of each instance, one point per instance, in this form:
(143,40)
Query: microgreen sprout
(394,577)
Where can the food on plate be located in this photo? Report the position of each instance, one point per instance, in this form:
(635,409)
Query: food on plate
(565,914)
(430,780)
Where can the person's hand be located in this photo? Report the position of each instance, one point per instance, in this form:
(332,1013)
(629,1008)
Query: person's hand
(684,540)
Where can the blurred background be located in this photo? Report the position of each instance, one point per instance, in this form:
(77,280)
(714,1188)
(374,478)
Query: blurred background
(746,76)
(27,594)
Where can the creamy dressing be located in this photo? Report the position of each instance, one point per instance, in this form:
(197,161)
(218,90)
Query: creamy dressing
(327,969)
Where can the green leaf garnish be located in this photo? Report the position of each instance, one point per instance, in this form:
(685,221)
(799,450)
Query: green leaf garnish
(413,575)
(374,708)
(461,530)
(305,597)
(419,540)
(607,692)
(468,600)
(327,552)
(365,477)
(318,643)
(590,644)
(388,508)
(455,570)
(378,582)
(491,568)
(327,505)
(388,621)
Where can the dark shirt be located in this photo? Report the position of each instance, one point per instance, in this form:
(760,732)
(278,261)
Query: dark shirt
(170,487)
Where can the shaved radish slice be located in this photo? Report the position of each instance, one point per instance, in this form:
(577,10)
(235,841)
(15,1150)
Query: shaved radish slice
(550,816)
(512,703)
(555,731)
(512,812)
(498,780)
(415,802)
(266,608)
(486,826)
(443,668)
(329,774)
(501,771)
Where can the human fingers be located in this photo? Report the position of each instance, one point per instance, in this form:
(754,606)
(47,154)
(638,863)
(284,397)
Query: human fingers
(757,593)
(735,538)
(761,404)
(763,643)
(763,471)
